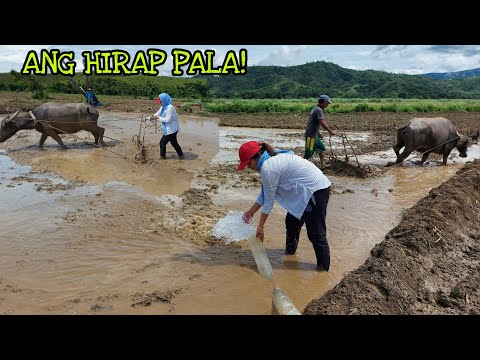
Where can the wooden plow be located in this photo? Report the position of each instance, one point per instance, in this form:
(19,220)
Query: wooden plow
(334,157)
(344,166)
(139,139)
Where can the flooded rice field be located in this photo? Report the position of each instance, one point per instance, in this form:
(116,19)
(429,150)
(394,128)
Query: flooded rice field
(97,231)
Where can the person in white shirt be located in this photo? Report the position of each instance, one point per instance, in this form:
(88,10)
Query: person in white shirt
(170,126)
(299,186)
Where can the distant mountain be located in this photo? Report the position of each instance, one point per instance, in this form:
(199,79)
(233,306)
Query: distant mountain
(320,77)
(267,82)
(454,75)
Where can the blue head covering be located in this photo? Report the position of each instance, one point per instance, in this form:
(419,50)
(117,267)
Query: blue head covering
(166,100)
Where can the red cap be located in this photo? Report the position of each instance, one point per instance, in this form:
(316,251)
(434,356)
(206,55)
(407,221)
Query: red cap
(157,101)
(246,152)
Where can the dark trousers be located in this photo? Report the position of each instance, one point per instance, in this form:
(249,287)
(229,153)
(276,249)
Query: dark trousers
(172,138)
(314,218)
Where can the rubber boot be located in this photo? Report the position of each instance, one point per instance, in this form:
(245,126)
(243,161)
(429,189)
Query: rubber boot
(322,254)
(291,243)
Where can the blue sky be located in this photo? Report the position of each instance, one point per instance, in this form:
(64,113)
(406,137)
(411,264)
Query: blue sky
(406,59)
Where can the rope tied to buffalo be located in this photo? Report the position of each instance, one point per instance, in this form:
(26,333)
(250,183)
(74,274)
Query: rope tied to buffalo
(446,142)
(43,122)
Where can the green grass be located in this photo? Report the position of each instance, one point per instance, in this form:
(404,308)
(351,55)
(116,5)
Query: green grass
(342,105)
(339,105)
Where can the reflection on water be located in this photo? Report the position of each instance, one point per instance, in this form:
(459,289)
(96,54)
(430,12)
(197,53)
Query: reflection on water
(72,247)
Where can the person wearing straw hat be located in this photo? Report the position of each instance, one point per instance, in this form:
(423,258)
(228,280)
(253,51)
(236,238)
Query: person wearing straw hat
(313,137)
(170,125)
(299,186)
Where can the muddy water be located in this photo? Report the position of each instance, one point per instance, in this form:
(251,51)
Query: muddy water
(119,244)
(360,212)
(118,162)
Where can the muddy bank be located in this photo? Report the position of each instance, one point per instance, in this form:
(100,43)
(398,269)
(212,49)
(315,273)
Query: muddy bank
(428,264)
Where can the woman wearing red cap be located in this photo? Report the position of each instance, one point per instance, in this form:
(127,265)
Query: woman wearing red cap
(299,186)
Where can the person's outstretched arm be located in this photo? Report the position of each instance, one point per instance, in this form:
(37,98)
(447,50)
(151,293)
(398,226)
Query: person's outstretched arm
(324,125)
(247,215)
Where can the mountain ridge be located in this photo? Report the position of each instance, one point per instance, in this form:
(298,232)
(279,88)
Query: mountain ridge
(462,74)
(311,79)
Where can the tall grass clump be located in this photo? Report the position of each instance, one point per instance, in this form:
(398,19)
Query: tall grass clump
(363,107)
(472,108)
(424,107)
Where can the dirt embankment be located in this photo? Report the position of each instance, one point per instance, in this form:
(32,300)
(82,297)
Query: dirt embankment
(428,264)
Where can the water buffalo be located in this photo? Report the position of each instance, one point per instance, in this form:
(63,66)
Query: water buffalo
(52,119)
(430,135)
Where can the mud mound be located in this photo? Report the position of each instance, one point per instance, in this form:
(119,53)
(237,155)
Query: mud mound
(228,176)
(428,264)
(342,168)
(196,197)
(142,299)
(194,220)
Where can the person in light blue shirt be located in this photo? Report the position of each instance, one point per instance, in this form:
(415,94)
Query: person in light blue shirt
(170,125)
(299,187)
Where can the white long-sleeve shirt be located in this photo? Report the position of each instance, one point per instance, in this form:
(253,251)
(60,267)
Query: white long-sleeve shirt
(291,180)
(170,120)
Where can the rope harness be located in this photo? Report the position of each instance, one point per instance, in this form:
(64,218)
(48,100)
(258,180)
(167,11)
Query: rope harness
(43,122)
(446,142)
(344,138)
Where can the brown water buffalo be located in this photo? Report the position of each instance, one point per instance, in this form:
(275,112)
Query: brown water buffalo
(430,135)
(52,119)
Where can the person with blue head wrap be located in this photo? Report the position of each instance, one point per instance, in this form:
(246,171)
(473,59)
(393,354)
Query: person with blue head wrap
(167,114)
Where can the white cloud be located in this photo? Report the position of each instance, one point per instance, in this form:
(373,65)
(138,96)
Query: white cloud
(285,55)
(16,54)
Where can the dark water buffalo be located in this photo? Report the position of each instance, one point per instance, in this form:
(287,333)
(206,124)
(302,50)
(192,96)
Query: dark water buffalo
(52,119)
(430,135)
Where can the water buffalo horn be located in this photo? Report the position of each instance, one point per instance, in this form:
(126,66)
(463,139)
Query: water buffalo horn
(12,116)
